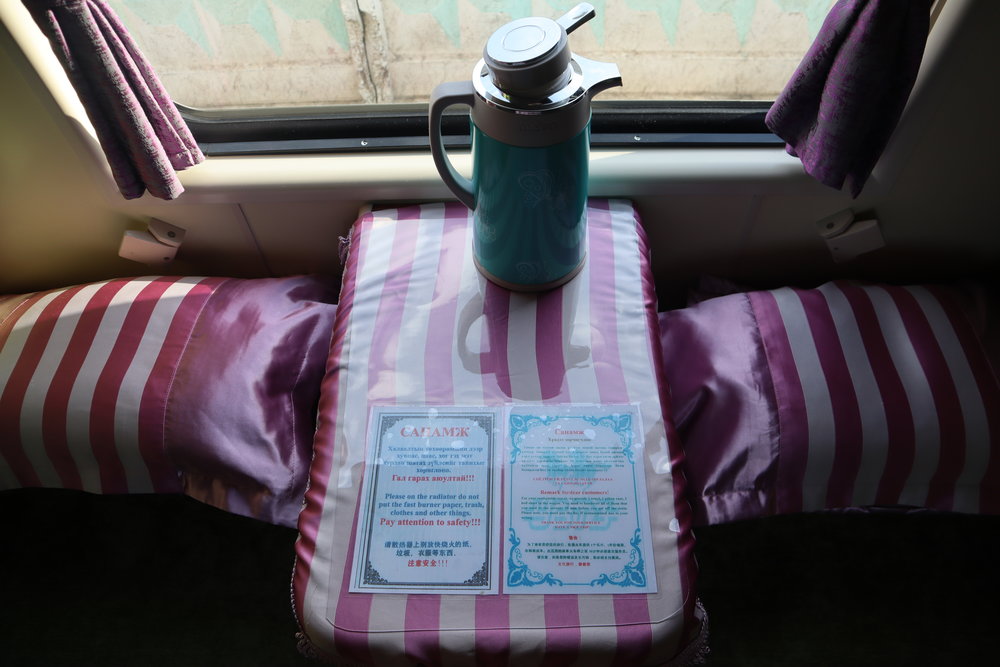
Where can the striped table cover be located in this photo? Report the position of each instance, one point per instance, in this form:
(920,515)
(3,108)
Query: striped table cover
(417,325)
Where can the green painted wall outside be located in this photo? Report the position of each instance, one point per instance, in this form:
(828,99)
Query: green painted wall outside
(276,52)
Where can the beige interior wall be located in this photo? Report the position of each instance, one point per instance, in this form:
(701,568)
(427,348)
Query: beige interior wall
(61,218)
(54,223)
(747,214)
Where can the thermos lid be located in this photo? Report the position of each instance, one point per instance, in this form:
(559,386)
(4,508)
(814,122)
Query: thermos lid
(530,90)
(530,57)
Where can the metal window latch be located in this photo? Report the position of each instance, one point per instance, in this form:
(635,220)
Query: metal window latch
(847,238)
(156,246)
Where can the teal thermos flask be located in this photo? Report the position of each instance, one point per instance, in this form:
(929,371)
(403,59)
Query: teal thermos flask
(530,110)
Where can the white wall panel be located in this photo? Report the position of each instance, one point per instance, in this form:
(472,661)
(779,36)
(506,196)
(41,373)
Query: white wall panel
(301,237)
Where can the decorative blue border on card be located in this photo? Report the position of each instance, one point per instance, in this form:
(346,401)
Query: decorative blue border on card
(621,424)
(633,573)
(519,427)
(518,572)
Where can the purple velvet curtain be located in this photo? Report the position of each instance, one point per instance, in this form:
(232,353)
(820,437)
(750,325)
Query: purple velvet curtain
(842,104)
(143,135)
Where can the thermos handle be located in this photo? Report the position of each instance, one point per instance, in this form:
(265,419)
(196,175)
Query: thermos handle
(444,96)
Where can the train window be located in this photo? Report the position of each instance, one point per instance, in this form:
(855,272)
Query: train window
(323,74)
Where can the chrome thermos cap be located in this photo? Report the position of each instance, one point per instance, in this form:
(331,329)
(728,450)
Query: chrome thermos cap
(530,57)
(529,89)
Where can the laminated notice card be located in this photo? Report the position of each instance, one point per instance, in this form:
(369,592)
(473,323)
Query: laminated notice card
(577,517)
(430,502)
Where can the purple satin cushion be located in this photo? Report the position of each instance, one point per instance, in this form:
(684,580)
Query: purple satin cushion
(165,384)
(842,396)
(724,407)
(241,412)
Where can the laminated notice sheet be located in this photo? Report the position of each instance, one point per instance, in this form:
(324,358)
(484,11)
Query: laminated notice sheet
(428,516)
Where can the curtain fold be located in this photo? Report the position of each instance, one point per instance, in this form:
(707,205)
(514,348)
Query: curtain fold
(843,102)
(144,137)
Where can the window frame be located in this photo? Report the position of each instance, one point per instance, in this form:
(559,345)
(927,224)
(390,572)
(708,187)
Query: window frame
(403,127)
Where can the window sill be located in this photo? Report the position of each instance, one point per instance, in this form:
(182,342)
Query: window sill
(411,176)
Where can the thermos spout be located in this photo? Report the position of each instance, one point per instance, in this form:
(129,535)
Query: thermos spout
(576,17)
(598,76)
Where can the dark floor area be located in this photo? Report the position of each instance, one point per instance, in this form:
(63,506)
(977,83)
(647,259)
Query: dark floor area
(158,580)
(143,581)
(853,589)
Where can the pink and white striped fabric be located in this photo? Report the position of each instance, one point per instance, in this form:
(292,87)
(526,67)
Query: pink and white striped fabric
(84,372)
(206,386)
(842,396)
(418,325)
